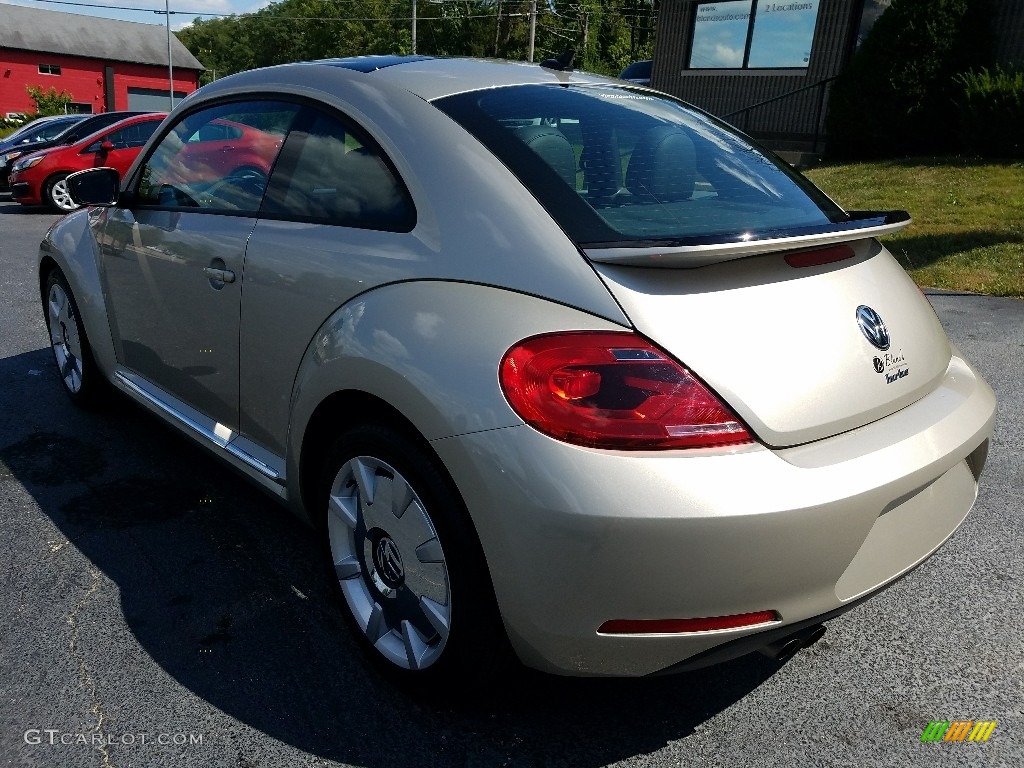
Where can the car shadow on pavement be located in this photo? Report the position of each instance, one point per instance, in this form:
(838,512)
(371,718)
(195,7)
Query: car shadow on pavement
(23,209)
(223,590)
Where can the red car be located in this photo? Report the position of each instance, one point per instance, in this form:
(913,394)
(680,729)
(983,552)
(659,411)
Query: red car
(39,177)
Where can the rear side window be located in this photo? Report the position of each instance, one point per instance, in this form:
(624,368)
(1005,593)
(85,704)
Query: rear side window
(617,166)
(215,132)
(332,173)
(129,137)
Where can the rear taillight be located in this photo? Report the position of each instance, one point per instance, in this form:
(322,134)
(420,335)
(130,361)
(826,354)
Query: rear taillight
(613,390)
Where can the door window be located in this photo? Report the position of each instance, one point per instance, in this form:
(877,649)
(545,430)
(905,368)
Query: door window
(217,159)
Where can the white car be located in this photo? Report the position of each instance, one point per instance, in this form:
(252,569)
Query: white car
(557,365)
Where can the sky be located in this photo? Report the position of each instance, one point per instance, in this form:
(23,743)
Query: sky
(182,11)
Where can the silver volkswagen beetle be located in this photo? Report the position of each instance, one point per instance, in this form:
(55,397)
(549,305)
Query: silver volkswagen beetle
(559,367)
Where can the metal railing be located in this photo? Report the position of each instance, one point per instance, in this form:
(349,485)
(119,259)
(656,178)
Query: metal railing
(817,118)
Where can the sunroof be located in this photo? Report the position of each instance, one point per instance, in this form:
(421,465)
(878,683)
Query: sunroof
(372,63)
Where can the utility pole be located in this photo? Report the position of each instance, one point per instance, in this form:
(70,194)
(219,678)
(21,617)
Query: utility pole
(586,39)
(170,64)
(414,26)
(497,30)
(533,28)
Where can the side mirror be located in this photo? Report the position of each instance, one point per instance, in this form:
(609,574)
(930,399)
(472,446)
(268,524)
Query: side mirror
(105,147)
(95,186)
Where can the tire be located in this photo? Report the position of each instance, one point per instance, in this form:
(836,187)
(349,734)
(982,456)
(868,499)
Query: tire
(71,350)
(410,572)
(56,195)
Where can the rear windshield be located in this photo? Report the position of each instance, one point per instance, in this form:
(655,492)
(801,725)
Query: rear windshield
(620,166)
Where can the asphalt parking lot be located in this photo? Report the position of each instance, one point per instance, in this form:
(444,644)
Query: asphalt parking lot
(159,611)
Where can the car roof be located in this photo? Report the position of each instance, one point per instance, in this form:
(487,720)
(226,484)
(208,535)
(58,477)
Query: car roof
(46,119)
(436,77)
(640,68)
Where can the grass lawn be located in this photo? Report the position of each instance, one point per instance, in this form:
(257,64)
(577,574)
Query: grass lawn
(968,228)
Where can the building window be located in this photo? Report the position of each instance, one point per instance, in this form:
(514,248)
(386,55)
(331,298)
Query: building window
(49,69)
(749,34)
(79,108)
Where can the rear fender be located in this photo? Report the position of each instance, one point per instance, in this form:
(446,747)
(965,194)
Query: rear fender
(431,349)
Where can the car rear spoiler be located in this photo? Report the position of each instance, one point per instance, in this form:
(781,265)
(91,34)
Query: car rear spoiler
(699,252)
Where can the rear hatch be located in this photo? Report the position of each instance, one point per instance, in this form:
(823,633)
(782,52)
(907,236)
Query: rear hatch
(787,346)
(719,253)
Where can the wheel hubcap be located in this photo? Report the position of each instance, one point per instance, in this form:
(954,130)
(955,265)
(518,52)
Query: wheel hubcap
(61,197)
(67,349)
(389,562)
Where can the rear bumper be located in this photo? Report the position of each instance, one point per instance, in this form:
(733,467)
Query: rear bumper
(575,537)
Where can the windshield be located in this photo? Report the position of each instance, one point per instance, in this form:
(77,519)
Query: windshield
(41,131)
(67,132)
(615,165)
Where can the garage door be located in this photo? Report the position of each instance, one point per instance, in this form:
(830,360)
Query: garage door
(151,99)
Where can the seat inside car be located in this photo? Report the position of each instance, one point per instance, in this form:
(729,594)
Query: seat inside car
(662,168)
(553,147)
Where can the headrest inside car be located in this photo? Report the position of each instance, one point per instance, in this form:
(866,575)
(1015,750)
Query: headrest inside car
(553,148)
(662,166)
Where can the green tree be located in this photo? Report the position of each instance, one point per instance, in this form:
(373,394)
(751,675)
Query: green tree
(49,102)
(898,95)
(606,35)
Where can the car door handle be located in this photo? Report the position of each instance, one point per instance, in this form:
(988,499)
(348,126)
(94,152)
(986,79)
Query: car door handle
(221,275)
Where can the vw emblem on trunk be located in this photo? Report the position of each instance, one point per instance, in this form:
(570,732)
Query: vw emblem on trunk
(872,327)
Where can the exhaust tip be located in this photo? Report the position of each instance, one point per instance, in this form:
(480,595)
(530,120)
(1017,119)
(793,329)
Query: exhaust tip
(811,635)
(784,649)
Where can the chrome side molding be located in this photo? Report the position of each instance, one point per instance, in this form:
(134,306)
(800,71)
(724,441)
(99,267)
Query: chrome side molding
(218,435)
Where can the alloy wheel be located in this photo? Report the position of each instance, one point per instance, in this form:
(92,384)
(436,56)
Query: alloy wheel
(64,338)
(61,197)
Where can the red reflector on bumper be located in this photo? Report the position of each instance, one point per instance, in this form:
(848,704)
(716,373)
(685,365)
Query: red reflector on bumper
(679,626)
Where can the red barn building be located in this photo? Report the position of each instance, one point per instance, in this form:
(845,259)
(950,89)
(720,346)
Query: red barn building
(105,65)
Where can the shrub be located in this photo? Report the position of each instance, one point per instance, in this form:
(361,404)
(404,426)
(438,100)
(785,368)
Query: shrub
(49,102)
(992,112)
(898,95)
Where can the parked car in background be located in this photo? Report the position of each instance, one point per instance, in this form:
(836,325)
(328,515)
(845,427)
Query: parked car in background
(29,137)
(36,125)
(216,152)
(73,130)
(638,72)
(554,364)
(39,177)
